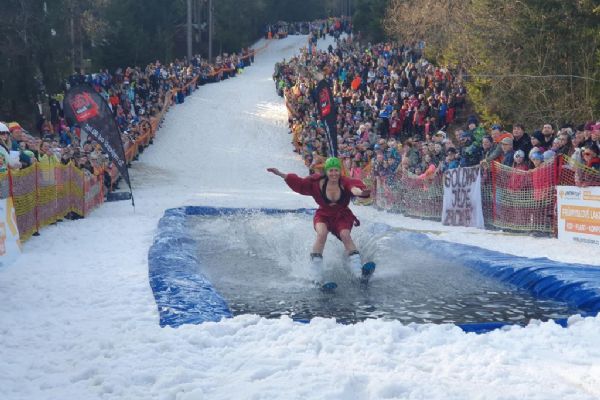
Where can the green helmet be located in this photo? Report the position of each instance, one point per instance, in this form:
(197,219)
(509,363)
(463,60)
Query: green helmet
(333,162)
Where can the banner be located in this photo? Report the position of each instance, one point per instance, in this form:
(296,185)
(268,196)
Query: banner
(327,112)
(10,245)
(462,198)
(579,214)
(86,108)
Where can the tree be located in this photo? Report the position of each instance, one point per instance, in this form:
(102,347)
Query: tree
(368,19)
(529,61)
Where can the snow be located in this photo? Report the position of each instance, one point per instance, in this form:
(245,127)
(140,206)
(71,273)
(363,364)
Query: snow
(78,318)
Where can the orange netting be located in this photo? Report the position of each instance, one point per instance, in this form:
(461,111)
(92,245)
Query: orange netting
(573,173)
(411,195)
(524,200)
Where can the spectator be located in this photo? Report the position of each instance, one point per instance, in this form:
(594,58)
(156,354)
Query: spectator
(521,140)
(477,132)
(565,144)
(450,162)
(590,155)
(470,153)
(536,158)
(548,133)
(6,148)
(549,155)
(491,151)
(507,151)
(537,141)
(519,161)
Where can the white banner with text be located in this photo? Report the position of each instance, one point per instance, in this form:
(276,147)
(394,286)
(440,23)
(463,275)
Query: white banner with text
(462,198)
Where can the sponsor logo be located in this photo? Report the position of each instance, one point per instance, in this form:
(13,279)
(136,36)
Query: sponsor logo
(84,107)
(569,194)
(324,102)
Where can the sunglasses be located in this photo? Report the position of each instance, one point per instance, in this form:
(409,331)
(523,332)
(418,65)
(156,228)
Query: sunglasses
(588,153)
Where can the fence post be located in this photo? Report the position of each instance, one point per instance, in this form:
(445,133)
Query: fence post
(493,172)
(37,197)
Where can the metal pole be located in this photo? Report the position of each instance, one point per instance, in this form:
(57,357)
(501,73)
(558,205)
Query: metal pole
(189,30)
(210,30)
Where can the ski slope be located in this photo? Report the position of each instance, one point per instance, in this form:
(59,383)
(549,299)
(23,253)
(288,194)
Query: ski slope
(78,318)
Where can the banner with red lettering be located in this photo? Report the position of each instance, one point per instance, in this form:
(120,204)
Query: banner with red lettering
(462,198)
(86,108)
(328,113)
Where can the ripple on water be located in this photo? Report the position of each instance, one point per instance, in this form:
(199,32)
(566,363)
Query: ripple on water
(258,263)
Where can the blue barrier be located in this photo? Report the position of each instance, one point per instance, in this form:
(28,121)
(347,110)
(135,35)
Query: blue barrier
(183,295)
(575,284)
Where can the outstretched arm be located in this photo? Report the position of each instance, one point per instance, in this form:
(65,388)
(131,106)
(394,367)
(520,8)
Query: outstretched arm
(297,184)
(277,172)
(360,192)
(357,187)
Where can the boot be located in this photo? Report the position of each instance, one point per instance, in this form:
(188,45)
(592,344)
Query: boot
(355,264)
(315,268)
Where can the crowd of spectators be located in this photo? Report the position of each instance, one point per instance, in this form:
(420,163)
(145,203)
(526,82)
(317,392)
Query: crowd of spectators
(394,112)
(335,26)
(134,94)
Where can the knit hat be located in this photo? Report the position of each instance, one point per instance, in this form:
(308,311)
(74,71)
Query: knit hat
(519,153)
(548,155)
(13,126)
(3,128)
(536,155)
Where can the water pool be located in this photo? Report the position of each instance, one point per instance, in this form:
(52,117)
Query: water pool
(257,262)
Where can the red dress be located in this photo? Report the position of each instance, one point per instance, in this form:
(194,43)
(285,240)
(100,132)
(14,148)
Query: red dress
(336,216)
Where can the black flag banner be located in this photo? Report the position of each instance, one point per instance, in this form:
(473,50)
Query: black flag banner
(327,112)
(86,108)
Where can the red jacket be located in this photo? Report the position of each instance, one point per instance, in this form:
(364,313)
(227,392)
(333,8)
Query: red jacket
(310,186)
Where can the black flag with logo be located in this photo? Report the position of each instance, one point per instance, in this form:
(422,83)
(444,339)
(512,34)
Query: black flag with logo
(327,112)
(86,108)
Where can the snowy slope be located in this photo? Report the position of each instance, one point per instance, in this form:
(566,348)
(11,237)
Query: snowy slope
(78,319)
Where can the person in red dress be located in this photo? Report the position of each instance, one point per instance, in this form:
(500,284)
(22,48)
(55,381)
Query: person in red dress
(333,193)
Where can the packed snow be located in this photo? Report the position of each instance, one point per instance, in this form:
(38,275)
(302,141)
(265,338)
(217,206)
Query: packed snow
(78,318)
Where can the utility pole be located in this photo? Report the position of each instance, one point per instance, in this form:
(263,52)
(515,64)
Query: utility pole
(210,30)
(189,30)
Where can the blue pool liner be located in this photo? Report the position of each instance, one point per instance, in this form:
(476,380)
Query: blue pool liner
(183,295)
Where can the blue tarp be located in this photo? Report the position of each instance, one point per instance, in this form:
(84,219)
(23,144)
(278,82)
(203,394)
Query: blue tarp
(183,295)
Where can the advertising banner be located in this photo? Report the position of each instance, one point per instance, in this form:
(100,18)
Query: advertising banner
(10,245)
(86,108)
(579,214)
(327,112)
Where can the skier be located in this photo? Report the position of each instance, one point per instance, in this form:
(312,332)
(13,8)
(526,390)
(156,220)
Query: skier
(332,192)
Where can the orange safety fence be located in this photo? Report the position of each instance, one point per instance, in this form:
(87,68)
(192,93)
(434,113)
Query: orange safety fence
(47,192)
(94,193)
(24,194)
(410,195)
(573,173)
(524,200)
(513,200)
(77,191)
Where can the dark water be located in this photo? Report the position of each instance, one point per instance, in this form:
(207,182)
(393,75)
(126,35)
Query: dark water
(258,264)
